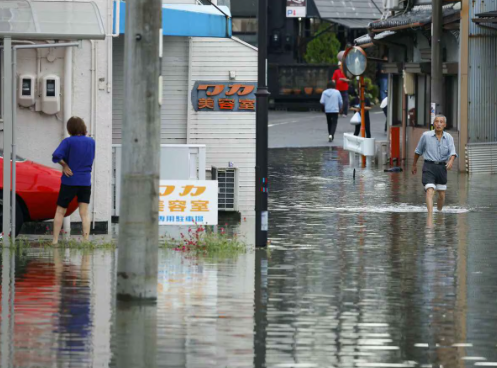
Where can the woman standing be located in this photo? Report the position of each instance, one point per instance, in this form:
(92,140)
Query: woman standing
(75,154)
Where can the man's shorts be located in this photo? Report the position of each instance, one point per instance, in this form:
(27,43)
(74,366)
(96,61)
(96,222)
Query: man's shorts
(68,192)
(434,176)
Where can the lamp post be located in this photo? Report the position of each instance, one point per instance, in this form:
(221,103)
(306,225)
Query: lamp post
(261,135)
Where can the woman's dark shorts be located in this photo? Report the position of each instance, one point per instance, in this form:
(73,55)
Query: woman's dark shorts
(68,192)
(434,176)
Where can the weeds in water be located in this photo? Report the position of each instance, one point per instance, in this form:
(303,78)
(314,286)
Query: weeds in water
(201,242)
(23,243)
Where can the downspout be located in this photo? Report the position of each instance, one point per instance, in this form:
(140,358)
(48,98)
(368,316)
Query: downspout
(67,115)
(404,125)
(188,95)
(112,32)
(93,121)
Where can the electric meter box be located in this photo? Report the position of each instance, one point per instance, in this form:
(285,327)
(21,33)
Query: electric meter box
(26,90)
(50,94)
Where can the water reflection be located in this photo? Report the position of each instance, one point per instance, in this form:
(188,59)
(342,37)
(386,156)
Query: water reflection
(393,280)
(358,275)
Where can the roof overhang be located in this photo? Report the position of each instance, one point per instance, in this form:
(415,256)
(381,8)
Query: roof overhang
(487,20)
(418,17)
(188,20)
(366,41)
(50,20)
(352,23)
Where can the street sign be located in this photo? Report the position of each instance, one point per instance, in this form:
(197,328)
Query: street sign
(296,8)
(188,202)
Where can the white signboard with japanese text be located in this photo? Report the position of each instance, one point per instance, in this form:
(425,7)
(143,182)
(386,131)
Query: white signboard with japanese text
(432,115)
(296,8)
(188,202)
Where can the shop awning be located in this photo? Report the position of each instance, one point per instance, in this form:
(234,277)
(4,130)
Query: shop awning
(187,20)
(49,20)
(353,14)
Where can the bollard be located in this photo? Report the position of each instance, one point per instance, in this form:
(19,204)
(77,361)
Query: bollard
(351,158)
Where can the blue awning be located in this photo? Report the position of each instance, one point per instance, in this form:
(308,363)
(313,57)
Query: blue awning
(187,20)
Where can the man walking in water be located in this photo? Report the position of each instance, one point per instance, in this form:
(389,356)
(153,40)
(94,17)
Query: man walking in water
(438,150)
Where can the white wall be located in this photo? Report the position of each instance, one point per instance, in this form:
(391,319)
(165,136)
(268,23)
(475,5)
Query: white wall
(175,90)
(38,135)
(229,136)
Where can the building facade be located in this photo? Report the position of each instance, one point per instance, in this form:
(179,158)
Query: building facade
(39,134)
(229,136)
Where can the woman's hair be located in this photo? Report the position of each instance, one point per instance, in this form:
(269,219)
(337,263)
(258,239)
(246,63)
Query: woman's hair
(76,126)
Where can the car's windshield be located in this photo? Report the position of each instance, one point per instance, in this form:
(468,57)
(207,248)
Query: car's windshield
(18,159)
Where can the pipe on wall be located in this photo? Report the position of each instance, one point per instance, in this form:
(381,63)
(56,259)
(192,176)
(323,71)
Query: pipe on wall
(67,115)
(93,118)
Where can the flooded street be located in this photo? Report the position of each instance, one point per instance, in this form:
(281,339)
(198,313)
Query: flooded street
(357,275)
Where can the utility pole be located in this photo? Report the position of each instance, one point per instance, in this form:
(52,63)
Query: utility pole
(138,240)
(261,136)
(437,79)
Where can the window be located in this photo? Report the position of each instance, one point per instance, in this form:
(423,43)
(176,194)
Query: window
(397,100)
(450,101)
(245,29)
(244,25)
(423,100)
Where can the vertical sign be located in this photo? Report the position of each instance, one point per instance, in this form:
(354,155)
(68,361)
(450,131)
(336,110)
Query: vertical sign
(432,114)
(296,8)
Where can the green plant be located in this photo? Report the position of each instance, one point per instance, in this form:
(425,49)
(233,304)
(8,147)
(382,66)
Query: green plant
(371,90)
(202,242)
(23,243)
(324,48)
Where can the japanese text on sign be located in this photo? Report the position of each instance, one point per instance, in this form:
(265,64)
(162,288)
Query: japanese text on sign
(185,202)
(224,96)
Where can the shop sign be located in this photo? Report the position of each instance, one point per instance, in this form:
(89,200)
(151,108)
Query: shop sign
(188,202)
(224,96)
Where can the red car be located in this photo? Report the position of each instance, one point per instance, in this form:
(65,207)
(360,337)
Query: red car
(37,191)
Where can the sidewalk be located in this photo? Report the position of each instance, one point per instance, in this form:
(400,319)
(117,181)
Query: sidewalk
(309,129)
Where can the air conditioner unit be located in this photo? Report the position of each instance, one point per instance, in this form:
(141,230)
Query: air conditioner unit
(227,179)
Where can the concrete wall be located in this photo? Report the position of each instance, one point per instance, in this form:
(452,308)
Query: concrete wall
(38,134)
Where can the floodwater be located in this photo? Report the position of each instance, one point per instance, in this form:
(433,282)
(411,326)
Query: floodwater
(357,275)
